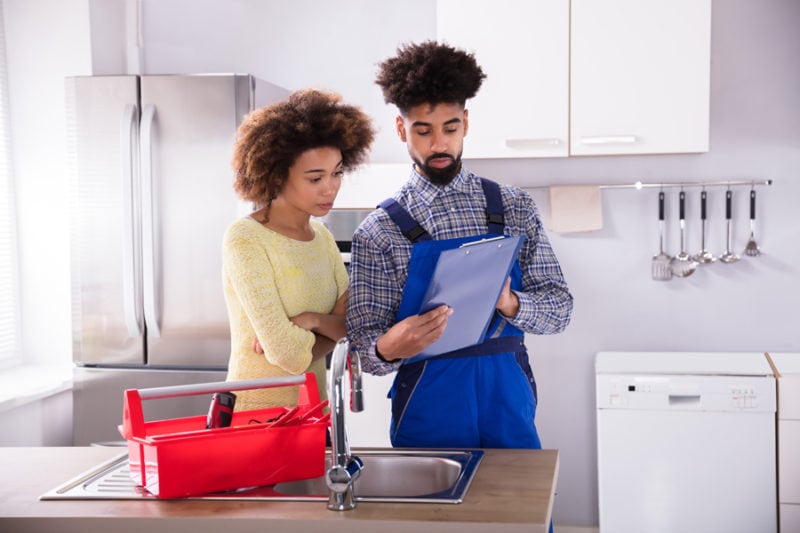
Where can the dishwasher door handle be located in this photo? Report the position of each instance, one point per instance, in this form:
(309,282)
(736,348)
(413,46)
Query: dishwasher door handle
(684,399)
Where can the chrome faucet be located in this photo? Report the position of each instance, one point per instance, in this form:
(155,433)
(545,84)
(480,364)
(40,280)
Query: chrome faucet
(345,468)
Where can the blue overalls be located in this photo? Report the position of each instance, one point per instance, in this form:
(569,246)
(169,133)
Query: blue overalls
(482,396)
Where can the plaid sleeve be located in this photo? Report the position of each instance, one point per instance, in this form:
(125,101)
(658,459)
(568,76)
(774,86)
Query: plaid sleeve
(545,303)
(376,287)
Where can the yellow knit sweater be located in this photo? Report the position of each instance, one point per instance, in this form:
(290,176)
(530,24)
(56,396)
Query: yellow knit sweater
(269,278)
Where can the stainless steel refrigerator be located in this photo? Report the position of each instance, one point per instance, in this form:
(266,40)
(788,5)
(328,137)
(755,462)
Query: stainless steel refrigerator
(151,196)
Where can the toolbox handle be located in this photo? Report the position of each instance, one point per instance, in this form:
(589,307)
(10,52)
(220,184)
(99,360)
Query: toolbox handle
(174,391)
(133,424)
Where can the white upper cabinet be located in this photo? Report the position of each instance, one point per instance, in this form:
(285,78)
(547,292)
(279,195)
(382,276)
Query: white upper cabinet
(586,77)
(640,76)
(523,48)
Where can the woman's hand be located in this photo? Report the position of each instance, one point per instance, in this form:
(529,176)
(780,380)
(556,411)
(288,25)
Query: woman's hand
(257,346)
(329,325)
(308,321)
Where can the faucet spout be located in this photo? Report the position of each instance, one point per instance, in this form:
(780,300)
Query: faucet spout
(345,468)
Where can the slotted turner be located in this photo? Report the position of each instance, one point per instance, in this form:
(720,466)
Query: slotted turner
(751,248)
(660,270)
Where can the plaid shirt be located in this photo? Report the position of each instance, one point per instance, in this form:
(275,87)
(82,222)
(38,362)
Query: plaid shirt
(380,255)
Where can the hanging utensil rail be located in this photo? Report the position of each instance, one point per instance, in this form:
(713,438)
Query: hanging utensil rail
(720,183)
(682,184)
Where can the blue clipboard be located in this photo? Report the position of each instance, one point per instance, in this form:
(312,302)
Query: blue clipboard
(468,279)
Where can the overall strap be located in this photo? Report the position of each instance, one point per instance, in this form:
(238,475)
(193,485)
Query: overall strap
(410,228)
(494,206)
(495,220)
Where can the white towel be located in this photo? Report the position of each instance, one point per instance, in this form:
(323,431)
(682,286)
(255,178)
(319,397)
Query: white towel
(575,208)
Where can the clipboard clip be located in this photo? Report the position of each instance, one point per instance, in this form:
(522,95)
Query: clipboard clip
(481,241)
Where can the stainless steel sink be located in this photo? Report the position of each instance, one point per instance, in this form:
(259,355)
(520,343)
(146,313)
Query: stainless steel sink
(402,475)
(389,475)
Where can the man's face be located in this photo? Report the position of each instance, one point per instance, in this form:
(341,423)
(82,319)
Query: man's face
(434,136)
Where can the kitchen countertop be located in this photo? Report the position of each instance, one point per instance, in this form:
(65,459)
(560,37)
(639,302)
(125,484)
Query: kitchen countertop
(512,490)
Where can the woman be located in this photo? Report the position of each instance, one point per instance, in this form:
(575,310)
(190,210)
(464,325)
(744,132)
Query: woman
(285,283)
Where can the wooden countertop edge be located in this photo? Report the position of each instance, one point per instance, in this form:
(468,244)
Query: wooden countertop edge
(511,489)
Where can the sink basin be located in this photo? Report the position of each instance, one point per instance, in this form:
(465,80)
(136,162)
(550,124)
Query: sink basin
(389,475)
(402,475)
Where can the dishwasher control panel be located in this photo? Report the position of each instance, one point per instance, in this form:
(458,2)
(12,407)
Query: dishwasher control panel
(679,392)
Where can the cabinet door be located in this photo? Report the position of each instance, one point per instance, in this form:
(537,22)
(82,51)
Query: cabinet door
(790,518)
(639,76)
(523,48)
(788,461)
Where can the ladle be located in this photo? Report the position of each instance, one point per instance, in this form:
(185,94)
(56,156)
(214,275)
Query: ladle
(703,256)
(728,256)
(682,265)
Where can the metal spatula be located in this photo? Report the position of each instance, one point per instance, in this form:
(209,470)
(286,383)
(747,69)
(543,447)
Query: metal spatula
(751,248)
(660,270)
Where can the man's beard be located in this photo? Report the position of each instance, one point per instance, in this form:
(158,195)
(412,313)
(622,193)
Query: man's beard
(439,176)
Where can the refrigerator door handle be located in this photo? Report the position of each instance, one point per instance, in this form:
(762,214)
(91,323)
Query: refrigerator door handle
(130,250)
(150,243)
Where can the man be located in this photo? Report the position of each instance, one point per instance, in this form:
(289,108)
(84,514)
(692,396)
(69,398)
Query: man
(485,395)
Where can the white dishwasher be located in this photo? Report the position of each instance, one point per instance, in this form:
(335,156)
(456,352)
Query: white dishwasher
(686,442)
(787,366)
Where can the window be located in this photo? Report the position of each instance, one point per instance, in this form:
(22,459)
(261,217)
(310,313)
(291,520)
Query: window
(9,297)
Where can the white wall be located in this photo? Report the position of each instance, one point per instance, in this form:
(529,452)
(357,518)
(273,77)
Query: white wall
(335,45)
(45,422)
(46,40)
(755,132)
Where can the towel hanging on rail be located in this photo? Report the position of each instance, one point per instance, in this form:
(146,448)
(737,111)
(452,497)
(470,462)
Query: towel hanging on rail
(575,208)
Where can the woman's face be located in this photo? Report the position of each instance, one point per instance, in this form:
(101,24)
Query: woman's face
(314,181)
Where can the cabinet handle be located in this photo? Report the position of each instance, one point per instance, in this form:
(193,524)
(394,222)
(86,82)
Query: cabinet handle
(519,144)
(610,139)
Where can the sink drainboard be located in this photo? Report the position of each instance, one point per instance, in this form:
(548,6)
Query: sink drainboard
(392,475)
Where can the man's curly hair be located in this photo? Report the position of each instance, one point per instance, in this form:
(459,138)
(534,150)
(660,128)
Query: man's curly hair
(429,73)
(270,139)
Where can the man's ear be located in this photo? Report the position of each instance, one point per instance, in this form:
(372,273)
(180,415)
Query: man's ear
(401,127)
(466,121)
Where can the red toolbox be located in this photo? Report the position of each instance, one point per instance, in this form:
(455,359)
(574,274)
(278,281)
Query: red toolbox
(179,457)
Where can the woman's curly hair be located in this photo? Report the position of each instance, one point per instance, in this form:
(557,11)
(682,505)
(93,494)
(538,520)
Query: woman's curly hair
(270,139)
(429,73)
